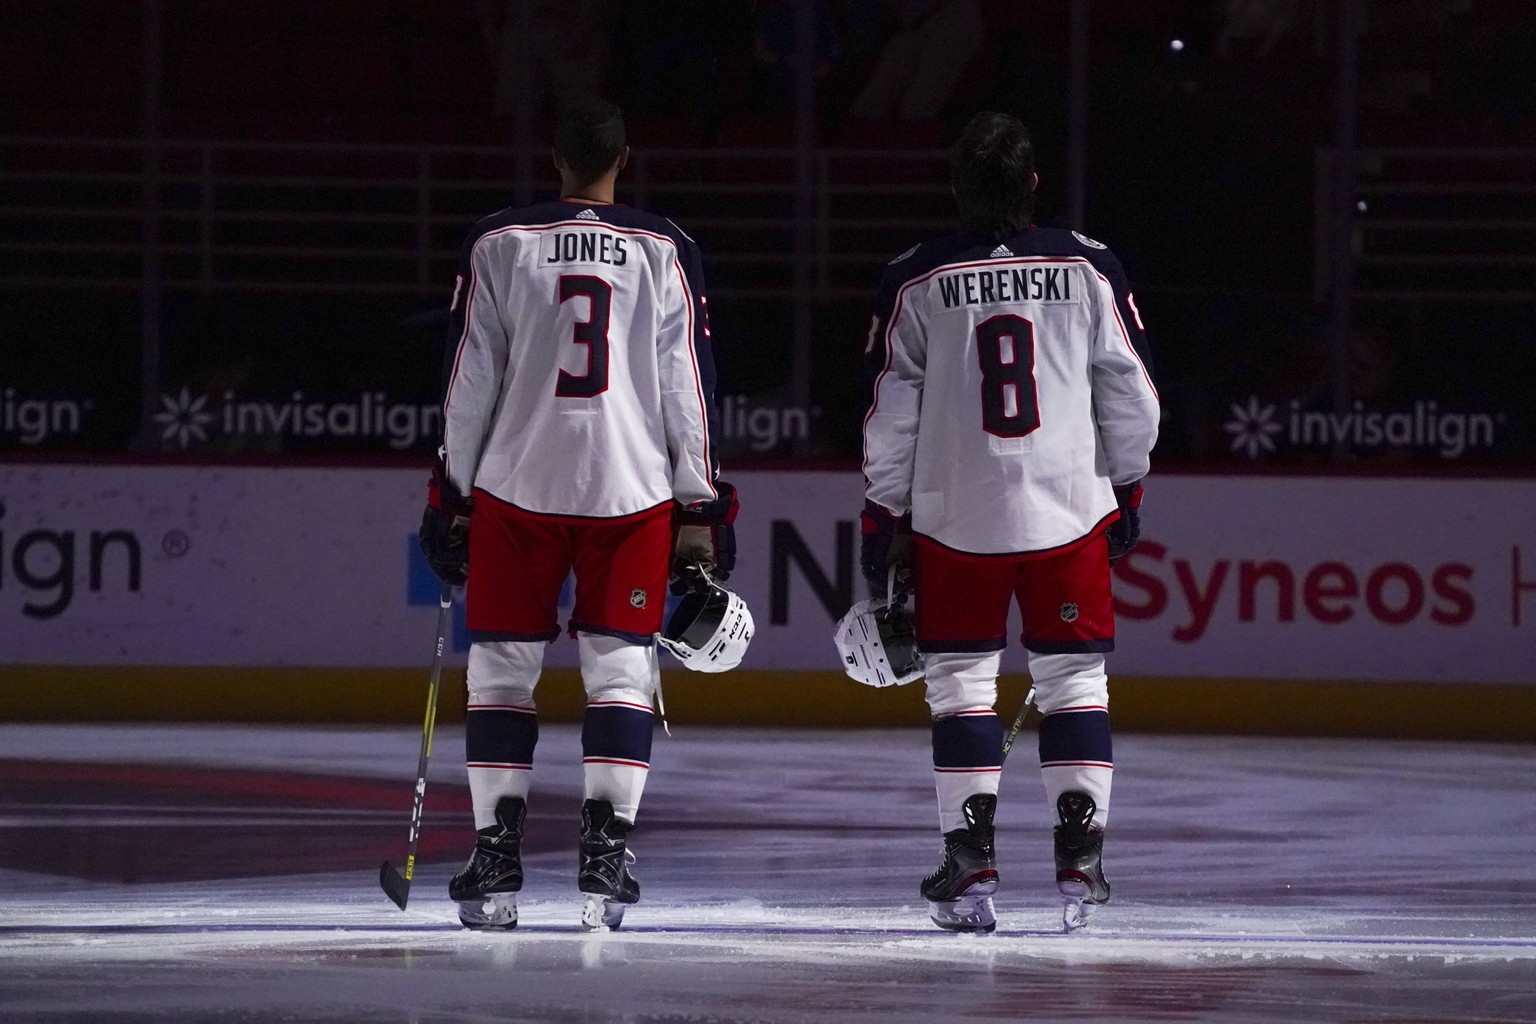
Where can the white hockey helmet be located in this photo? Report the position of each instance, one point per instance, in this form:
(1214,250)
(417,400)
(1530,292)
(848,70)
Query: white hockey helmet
(711,627)
(878,643)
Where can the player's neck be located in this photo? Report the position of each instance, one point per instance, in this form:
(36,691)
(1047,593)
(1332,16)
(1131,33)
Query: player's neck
(599,192)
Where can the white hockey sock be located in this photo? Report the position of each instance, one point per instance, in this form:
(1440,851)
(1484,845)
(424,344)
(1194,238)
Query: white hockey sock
(1091,780)
(616,729)
(955,788)
(501,723)
(967,737)
(1076,752)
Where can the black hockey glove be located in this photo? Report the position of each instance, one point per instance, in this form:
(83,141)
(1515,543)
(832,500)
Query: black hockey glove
(1125,531)
(445,529)
(885,541)
(704,532)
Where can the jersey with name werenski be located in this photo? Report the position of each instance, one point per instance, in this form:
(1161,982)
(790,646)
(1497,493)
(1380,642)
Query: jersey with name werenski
(581,380)
(1011,388)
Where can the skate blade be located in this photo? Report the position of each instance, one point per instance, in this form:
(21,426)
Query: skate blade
(496,912)
(1074,915)
(971,911)
(1076,909)
(601,915)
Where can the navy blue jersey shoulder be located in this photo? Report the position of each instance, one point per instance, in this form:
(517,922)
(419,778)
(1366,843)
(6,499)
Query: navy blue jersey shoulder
(915,262)
(967,246)
(1061,242)
(560,210)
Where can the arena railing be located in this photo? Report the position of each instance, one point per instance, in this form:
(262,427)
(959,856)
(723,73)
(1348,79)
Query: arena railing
(346,218)
(1434,225)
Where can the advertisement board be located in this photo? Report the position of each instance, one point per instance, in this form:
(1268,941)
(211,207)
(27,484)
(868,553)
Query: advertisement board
(192,418)
(1426,580)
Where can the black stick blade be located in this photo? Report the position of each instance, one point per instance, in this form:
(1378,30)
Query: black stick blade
(394,884)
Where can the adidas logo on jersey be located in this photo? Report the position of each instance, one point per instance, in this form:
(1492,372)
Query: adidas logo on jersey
(1001,251)
(587,215)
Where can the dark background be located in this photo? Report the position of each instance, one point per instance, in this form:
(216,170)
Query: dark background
(292,256)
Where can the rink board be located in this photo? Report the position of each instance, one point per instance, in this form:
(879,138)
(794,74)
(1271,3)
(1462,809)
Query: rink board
(292,593)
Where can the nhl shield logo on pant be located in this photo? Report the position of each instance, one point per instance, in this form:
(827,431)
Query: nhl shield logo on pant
(1069,611)
(637,597)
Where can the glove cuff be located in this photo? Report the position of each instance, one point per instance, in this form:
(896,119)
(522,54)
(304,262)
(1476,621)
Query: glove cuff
(1129,495)
(719,511)
(442,494)
(877,519)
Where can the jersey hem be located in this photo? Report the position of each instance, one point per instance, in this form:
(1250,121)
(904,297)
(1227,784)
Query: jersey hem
(485,636)
(638,639)
(1094,532)
(480,492)
(1069,646)
(962,646)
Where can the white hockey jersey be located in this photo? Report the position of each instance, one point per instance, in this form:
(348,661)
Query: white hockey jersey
(1011,388)
(581,380)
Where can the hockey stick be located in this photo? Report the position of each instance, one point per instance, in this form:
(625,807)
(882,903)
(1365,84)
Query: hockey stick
(395,885)
(1018,723)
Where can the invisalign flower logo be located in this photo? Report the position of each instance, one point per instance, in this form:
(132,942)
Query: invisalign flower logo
(1253,427)
(183,417)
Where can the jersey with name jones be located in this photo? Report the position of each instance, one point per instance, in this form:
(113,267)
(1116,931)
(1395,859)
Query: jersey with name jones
(582,382)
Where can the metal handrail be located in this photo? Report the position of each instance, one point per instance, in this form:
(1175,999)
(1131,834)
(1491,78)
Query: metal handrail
(194,189)
(1486,198)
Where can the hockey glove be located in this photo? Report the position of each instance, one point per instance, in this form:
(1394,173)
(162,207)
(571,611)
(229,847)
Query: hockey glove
(445,529)
(886,541)
(704,532)
(1125,531)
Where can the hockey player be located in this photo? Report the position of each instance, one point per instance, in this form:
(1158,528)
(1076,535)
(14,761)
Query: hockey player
(1010,424)
(578,435)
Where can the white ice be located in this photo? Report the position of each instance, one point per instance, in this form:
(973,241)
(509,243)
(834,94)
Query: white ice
(1254,880)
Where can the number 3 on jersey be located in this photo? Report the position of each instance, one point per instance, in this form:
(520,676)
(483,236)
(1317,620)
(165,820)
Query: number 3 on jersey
(1006,347)
(591,332)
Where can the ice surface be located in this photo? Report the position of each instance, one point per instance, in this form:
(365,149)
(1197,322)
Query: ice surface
(229,874)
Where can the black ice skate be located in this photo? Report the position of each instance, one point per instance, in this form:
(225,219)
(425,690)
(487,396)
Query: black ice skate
(486,890)
(959,894)
(604,868)
(1079,851)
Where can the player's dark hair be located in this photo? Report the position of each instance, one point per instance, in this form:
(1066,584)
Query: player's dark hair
(589,137)
(991,169)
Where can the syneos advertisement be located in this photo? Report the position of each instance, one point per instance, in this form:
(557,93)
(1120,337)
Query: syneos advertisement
(1239,577)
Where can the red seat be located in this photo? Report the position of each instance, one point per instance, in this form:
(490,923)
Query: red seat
(1039,17)
(221,69)
(385,127)
(756,133)
(75,123)
(331,71)
(26,70)
(663,133)
(457,19)
(889,133)
(99,66)
(483,128)
(346,14)
(94,122)
(451,70)
(215,125)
